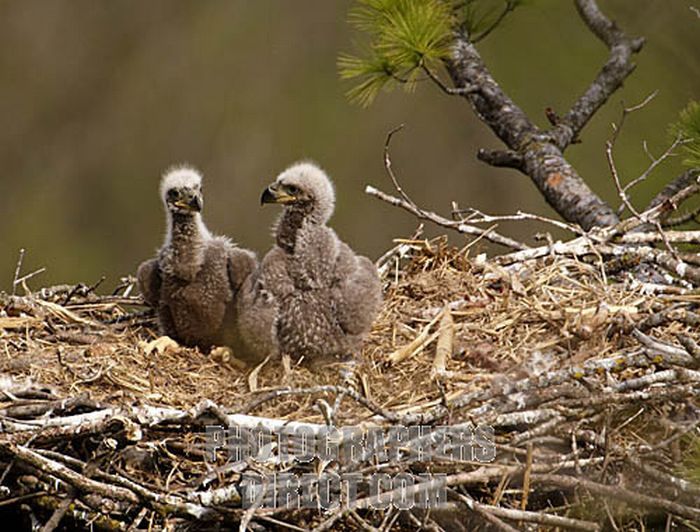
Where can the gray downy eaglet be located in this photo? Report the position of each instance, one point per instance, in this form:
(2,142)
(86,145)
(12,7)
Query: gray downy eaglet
(312,296)
(195,278)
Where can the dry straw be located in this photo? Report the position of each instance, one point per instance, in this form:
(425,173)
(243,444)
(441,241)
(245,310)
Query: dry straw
(589,379)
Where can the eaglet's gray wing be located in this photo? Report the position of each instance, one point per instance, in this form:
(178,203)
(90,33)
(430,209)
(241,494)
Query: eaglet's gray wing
(358,294)
(258,306)
(241,264)
(149,281)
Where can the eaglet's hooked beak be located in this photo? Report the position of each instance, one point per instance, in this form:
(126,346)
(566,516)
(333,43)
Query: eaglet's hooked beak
(192,203)
(276,194)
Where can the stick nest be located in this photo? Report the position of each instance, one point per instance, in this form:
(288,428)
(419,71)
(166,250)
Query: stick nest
(587,376)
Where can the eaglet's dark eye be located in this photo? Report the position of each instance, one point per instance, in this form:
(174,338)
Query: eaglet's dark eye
(293,189)
(172,194)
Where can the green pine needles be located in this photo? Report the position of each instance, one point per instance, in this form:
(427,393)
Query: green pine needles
(478,18)
(688,128)
(407,38)
(404,36)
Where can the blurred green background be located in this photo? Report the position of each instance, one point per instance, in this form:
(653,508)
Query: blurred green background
(97,98)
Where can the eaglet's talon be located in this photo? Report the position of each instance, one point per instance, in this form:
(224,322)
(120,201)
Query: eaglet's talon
(160,345)
(225,357)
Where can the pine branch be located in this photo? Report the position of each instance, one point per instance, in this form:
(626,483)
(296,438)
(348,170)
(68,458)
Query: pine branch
(615,70)
(542,159)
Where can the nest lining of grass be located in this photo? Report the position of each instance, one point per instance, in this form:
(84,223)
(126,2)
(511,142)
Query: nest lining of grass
(589,380)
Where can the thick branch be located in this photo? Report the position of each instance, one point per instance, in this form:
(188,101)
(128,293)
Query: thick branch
(690,237)
(539,154)
(542,160)
(609,79)
(598,23)
(491,103)
(501,158)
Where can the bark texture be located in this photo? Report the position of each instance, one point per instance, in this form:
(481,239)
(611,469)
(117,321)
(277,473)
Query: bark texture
(538,153)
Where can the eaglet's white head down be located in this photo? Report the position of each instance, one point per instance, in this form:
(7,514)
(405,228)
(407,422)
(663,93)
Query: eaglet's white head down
(303,186)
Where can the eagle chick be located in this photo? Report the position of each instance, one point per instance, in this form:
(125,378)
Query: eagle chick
(194,280)
(312,296)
